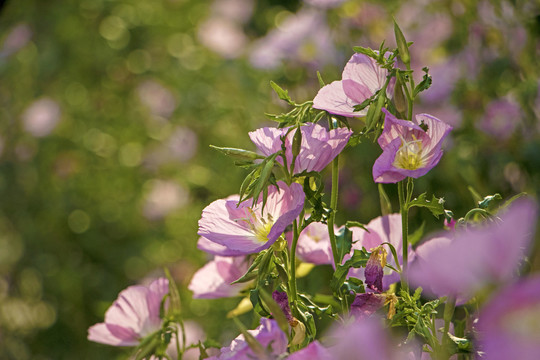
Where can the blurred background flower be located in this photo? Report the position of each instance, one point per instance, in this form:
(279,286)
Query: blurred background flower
(108,109)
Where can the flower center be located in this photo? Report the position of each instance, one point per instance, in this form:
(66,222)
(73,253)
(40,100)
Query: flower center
(258,225)
(410,155)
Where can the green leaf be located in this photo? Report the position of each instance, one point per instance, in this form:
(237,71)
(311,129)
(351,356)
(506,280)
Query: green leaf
(321,81)
(476,196)
(386,205)
(512,199)
(435,205)
(350,224)
(239,154)
(402,45)
(359,259)
(488,200)
(462,345)
(343,242)
(175,308)
(424,84)
(252,272)
(262,182)
(399,97)
(258,307)
(283,94)
(363,105)
(366,51)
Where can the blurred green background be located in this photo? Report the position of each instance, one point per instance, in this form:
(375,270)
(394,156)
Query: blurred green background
(108,109)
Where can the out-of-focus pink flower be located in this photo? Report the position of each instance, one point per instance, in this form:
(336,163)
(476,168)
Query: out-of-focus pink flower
(381,229)
(508,326)
(303,37)
(500,118)
(324,4)
(223,36)
(314,351)
(214,279)
(163,198)
(462,262)
(236,10)
(41,117)
(18,37)
(134,315)
(268,334)
(361,78)
(408,149)
(159,100)
(314,245)
(249,229)
(318,148)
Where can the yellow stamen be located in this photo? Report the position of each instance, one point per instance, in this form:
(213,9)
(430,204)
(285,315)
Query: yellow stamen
(410,155)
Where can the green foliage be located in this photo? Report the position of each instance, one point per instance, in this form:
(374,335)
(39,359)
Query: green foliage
(435,205)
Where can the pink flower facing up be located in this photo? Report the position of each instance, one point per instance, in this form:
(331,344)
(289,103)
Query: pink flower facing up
(132,316)
(410,148)
(508,326)
(268,334)
(244,229)
(461,262)
(361,78)
(381,229)
(214,279)
(318,148)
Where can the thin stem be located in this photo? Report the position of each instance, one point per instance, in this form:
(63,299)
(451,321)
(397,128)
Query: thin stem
(292,280)
(333,203)
(449,308)
(403,208)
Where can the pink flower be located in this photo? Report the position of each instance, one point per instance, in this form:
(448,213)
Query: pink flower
(410,148)
(268,334)
(132,316)
(508,323)
(245,229)
(314,245)
(318,148)
(462,262)
(214,279)
(361,78)
(314,351)
(381,229)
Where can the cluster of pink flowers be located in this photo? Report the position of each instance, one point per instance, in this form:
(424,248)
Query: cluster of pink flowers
(458,263)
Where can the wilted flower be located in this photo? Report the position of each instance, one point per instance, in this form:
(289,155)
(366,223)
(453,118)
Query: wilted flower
(318,148)
(132,316)
(410,148)
(361,78)
(214,279)
(461,262)
(382,229)
(41,117)
(374,268)
(268,335)
(366,304)
(247,229)
(508,326)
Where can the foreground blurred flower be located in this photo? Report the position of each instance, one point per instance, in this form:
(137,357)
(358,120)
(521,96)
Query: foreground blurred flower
(410,148)
(132,316)
(246,229)
(41,117)
(461,262)
(318,148)
(314,351)
(381,229)
(273,343)
(509,326)
(214,279)
(361,78)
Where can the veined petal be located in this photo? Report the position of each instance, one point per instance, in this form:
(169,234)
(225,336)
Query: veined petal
(333,99)
(214,279)
(364,70)
(216,249)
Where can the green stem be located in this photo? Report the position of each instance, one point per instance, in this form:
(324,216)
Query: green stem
(333,207)
(449,308)
(403,208)
(292,281)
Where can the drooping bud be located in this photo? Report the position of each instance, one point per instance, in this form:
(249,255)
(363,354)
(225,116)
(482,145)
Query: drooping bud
(375,268)
(299,331)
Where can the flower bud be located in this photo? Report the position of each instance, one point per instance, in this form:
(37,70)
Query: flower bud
(374,268)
